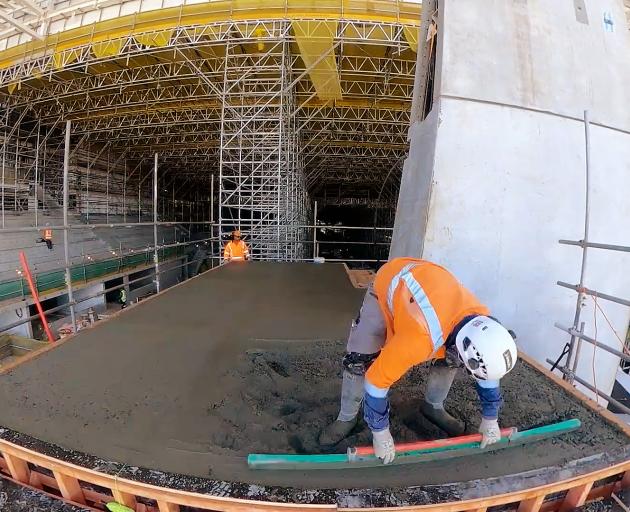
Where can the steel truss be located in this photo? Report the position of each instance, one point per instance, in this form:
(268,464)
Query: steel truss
(171,75)
(234,99)
(46,62)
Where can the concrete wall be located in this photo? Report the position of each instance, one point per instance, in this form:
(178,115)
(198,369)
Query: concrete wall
(507,175)
(417,177)
(538,54)
(94,302)
(14,314)
(148,286)
(171,273)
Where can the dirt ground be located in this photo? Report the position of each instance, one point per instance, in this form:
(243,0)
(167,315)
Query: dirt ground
(15,498)
(247,359)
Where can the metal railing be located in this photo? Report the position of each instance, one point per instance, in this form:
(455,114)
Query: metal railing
(101,265)
(332,243)
(377,239)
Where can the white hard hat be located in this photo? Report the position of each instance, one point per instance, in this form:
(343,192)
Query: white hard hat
(486,348)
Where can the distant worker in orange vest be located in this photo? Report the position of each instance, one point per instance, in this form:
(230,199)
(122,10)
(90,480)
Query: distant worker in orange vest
(417,312)
(236,249)
(47,237)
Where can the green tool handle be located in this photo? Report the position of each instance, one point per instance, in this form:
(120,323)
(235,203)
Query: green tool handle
(341,461)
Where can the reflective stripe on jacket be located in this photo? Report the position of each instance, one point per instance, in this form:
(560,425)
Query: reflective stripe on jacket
(48,234)
(235,250)
(422,303)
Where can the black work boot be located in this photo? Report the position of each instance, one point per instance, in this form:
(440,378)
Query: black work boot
(336,432)
(439,417)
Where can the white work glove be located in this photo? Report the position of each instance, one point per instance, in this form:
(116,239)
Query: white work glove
(490,431)
(384,446)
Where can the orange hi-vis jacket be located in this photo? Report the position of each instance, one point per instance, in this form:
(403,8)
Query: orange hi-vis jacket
(235,251)
(47,234)
(421,303)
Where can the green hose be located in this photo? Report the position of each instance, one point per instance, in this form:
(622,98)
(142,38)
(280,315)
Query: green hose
(341,461)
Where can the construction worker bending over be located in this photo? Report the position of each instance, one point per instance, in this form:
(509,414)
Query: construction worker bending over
(417,312)
(236,249)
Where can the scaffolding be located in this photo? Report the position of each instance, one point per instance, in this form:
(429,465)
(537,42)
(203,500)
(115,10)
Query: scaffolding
(261,190)
(255,114)
(25,157)
(573,347)
(32,163)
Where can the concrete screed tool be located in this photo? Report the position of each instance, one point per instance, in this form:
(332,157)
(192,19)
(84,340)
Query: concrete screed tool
(411,453)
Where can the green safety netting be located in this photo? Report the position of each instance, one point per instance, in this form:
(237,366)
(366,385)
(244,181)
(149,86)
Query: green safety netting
(54,279)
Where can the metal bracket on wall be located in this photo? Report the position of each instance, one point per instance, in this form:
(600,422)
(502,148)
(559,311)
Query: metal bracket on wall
(580,11)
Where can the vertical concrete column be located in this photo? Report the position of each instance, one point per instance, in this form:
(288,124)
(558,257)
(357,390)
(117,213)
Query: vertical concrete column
(126,283)
(496,171)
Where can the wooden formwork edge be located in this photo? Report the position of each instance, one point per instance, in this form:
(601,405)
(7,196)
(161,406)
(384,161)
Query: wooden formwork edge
(68,476)
(352,276)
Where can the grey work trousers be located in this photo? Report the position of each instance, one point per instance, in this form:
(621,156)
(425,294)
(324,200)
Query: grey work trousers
(367,336)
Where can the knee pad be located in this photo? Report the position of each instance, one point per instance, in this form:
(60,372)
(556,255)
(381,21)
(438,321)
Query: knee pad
(451,359)
(358,364)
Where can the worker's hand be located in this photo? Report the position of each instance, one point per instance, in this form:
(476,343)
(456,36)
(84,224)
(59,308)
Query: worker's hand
(384,446)
(490,432)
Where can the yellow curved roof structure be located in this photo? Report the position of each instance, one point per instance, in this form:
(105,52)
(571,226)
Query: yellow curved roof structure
(195,83)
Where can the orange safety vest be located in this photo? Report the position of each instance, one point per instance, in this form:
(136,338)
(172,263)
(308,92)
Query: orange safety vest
(48,234)
(235,251)
(421,303)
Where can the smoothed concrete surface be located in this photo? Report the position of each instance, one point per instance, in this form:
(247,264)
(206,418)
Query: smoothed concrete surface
(228,363)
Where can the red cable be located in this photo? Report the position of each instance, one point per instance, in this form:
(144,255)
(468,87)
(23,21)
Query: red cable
(31,285)
(423,445)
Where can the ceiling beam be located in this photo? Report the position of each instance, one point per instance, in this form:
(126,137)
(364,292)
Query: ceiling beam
(32,6)
(19,25)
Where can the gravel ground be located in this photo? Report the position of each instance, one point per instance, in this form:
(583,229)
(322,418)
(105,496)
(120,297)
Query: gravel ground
(14,498)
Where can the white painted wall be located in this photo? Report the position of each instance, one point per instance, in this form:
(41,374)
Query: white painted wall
(508,166)
(624,380)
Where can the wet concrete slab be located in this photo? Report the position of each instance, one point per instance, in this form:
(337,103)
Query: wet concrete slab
(247,359)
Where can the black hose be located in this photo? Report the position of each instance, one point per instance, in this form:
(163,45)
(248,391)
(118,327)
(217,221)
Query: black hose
(565,351)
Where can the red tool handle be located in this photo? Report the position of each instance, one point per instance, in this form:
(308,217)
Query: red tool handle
(31,285)
(436,443)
